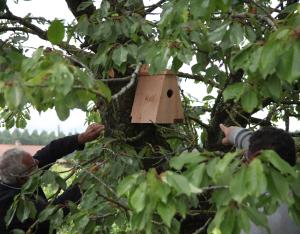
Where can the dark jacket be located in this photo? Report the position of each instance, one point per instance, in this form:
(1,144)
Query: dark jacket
(46,156)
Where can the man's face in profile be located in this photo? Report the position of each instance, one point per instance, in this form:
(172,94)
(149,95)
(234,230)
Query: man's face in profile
(31,165)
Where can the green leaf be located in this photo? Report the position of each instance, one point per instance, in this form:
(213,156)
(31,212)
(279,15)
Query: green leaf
(236,35)
(48,177)
(31,184)
(225,161)
(202,8)
(13,96)
(18,231)
(176,64)
(221,197)
(195,174)
(216,222)
(273,84)
(295,214)
(56,32)
(272,157)
(132,50)
(237,185)
(103,89)
(233,91)
(288,68)
(138,198)
(182,207)
(185,159)
(270,57)
(257,217)
(83,5)
(250,34)
(157,189)
(127,183)
(249,100)
(61,79)
(61,182)
(178,182)
(281,185)
(119,55)
(223,4)
(10,214)
(104,8)
(255,178)
(23,211)
(62,110)
(46,213)
(83,24)
(166,212)
(243,220)
(228,224)
(218,34)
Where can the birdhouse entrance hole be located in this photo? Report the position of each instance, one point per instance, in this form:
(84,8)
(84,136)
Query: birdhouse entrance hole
(170,93)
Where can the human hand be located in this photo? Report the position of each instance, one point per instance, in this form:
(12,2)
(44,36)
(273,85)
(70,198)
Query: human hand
(226,131)
(91,133)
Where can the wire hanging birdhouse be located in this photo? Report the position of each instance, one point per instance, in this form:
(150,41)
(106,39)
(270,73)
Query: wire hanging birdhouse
(157,98)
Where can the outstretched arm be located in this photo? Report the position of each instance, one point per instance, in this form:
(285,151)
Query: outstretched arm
(239,137)
(66,145)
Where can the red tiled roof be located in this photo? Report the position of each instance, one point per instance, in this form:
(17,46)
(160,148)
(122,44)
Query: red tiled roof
(32,149)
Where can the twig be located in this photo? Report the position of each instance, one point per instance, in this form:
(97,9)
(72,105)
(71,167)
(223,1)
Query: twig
(198,121)
(260,17)
(214,187)
(100,181)
(135,138)
(154,6)
(202,228)
(197,78)
(232,118)
(295,134)
(14,29)
(113,201)
(38,31)
(129,85)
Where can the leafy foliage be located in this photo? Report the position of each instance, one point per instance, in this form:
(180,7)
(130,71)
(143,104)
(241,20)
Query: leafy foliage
(246,53)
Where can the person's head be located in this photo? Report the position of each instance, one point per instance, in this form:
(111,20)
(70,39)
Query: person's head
(15,166)
(276,139)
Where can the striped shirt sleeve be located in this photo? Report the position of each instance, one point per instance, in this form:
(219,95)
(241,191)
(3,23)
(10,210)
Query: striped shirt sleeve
(240,137)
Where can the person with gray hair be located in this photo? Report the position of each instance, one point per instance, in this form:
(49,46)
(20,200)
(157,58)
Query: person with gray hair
(13,168)
(16,166)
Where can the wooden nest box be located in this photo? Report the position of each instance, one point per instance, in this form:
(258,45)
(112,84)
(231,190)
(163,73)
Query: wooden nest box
(157,98)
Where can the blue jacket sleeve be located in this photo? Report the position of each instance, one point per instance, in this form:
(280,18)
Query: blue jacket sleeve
(57,149)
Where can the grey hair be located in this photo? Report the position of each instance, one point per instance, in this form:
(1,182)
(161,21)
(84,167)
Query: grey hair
(11,166)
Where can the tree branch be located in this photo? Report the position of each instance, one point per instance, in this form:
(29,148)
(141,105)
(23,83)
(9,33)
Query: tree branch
(266,19)
(14,29)
(154,6)
(73,6)
(198,121)
(129,85)
(38,31)
(196,78)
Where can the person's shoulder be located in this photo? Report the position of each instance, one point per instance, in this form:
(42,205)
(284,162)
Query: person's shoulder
(7,193)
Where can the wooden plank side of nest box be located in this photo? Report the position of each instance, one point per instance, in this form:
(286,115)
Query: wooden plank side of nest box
(170,108)
(147,97)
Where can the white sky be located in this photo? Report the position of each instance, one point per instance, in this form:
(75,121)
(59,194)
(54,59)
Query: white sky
(76,122)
